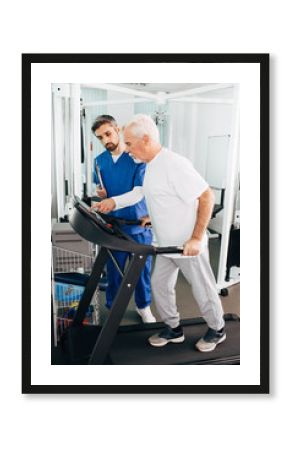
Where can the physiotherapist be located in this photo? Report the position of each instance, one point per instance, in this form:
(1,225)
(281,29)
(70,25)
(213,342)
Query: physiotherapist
(116,173)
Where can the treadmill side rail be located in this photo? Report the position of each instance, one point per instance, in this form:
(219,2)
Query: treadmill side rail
(121,301)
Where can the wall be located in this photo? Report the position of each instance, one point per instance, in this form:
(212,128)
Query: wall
(183,127)
(212,120)
(121,112)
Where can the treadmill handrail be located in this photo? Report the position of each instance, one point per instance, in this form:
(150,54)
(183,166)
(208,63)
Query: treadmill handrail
(171,249)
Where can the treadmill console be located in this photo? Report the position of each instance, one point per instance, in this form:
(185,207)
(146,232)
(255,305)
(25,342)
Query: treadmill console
(93,215)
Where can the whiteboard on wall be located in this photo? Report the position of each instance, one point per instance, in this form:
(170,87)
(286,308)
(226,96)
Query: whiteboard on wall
(217,158)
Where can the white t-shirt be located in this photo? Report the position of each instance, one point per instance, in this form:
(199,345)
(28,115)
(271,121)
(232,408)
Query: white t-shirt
(116,157)
(171,188)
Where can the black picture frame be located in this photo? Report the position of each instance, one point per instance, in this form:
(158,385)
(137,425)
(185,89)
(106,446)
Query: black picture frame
(246,58)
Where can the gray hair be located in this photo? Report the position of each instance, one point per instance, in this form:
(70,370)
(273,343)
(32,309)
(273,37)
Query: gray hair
(143,124)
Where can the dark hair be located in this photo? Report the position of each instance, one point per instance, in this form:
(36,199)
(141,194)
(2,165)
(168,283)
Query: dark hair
(101,120)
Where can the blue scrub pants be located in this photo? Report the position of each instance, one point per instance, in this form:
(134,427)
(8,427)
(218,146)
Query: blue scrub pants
(143,287)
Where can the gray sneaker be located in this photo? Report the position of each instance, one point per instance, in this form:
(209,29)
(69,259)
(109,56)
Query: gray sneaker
(167,335)
(211,339)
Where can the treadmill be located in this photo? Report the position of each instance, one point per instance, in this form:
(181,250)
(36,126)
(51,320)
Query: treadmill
(128,344)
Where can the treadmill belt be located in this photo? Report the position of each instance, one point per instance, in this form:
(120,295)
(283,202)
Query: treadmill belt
(131,347)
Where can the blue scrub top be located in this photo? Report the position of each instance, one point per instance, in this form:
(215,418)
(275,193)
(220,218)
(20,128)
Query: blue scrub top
(118,178)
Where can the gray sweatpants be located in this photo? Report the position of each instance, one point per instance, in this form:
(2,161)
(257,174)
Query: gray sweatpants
(198,273)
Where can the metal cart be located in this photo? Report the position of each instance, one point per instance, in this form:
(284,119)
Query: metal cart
(70,272)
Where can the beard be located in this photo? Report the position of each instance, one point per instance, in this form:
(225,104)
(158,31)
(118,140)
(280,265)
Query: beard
(111,147)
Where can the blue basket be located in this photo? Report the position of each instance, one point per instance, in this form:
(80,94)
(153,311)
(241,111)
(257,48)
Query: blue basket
(68,293)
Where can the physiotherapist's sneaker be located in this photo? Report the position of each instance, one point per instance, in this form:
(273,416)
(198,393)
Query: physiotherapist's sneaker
(146,315)
(210,340)
(167,335)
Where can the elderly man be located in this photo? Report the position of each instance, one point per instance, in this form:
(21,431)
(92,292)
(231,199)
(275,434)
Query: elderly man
(180,203)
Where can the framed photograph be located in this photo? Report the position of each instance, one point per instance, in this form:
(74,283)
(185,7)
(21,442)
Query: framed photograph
(145,181)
